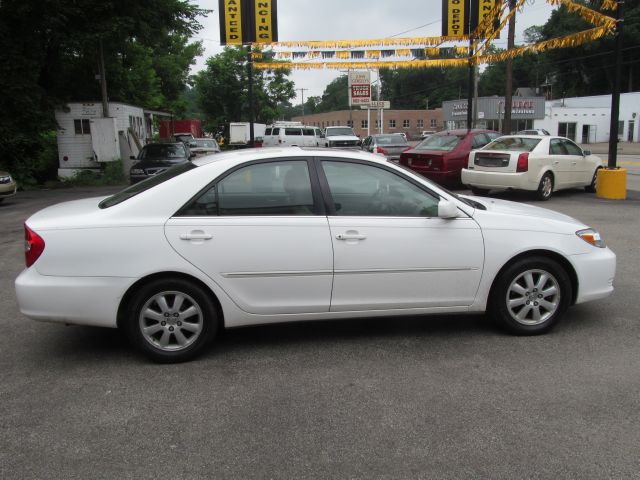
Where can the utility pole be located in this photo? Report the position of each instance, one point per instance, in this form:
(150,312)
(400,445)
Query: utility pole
(302,90)
(508,94)
(103,83)
(250,88)
(615,95)
(470,86)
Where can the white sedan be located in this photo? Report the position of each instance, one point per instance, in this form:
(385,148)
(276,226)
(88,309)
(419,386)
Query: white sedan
(542,164)
(277,235)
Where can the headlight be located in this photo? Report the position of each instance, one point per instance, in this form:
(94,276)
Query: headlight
(137,171)
(5,179)
(592,237)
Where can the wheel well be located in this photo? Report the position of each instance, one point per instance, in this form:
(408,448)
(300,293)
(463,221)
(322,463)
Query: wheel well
(563,262)
(126,298)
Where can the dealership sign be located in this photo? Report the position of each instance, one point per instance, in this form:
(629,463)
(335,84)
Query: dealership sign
(459,17)
(244,22)
(359,87)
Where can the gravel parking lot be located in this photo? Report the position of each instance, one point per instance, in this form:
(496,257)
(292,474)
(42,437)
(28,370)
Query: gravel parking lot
(430,397)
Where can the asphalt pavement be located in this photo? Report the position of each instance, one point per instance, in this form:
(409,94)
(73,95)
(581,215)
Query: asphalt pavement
(444,397)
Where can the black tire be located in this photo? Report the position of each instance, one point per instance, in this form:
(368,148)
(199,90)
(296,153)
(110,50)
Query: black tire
(481,192)
(545,188)
(591,188)
(530,306)
(186,328)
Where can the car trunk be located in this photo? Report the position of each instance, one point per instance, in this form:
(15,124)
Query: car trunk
(426,161)
(494,161)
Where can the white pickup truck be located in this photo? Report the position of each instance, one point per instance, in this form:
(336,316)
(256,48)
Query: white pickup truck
(341,137)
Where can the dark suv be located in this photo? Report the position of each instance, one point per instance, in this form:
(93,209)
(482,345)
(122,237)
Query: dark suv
(157,157)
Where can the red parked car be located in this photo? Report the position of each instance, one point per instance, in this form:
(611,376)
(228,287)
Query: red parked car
(442,156)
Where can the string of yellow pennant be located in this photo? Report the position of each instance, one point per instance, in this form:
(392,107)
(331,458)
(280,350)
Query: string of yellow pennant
(604,25)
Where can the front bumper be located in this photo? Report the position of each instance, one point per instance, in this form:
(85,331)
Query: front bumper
(8,189)
(596,271)
(74,300)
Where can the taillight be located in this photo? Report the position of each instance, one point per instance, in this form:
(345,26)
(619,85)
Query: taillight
(523,162)
(381,150)
(33,246)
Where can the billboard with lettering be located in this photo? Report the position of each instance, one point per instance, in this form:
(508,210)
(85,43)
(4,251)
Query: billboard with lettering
(243,22)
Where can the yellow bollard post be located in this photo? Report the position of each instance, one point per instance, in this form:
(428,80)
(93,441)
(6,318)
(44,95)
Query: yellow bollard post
(612,183)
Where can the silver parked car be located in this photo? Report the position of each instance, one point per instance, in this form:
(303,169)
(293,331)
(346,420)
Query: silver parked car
(390,145)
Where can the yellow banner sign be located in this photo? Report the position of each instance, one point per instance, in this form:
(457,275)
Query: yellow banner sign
(264,21)
(455,18)
(230,22)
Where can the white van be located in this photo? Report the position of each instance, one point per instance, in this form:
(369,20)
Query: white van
(293,134)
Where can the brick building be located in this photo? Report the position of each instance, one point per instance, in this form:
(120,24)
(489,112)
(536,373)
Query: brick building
(411,122)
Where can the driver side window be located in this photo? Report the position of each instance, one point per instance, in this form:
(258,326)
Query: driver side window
(366,190)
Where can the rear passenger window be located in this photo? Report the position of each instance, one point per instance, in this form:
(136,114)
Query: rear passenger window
(308,132)
(273,188)
(267,131)
(293,131)
(276,131)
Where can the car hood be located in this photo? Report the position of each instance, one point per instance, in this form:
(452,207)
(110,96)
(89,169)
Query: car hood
(505,214)
(342,137)
(157,163)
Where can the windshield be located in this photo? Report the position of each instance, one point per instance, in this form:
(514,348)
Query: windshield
(160,151)
(340,131)
(150,182)
(513,144)
(395,139)
(441,143)
(206,143)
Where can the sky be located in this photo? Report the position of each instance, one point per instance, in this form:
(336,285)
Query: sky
(353,20)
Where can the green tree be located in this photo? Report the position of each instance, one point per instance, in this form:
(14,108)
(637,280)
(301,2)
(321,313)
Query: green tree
(223,90)
(49,54)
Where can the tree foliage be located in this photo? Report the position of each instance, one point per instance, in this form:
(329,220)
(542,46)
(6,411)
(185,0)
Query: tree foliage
(49,54)
(222,90)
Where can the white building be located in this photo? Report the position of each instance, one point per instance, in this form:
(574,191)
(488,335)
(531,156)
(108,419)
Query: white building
(587,119)
(86,140)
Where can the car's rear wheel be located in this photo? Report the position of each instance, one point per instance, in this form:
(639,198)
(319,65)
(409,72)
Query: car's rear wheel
(530,296)
(171,321)
(479,191)
(545,188)
(591,188)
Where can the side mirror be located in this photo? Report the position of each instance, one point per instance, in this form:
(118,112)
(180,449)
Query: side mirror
(447,209)
(586,152)
(192,155)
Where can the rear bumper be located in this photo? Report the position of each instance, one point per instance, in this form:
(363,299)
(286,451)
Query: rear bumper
(438,177)
(75,300)
(491,180)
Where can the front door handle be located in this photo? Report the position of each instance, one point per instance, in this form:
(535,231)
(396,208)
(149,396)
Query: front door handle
(196,235)
(350,236)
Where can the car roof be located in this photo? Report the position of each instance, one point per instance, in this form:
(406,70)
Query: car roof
(238,157)
(464,131)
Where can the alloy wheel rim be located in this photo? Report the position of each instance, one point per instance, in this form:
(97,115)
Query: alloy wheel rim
(547,185)
(171,321)
(533,297)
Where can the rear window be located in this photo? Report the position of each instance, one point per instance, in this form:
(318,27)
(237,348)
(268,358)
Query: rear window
(206,144)
(293,131)
(162,151)
(394,139)
(150,182)
(513,144)
(440,143)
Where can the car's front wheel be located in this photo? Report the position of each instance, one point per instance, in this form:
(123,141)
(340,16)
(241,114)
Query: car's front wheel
(171,321)
(591,188)
(530,296)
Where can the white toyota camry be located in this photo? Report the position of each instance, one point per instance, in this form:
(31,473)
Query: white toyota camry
(542,164)
(275,235)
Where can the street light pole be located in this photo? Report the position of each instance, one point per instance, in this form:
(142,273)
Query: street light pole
(302,90)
